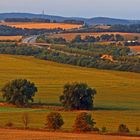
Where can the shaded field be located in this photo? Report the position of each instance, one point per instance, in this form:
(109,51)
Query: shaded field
(6,134)
(11,38)
(41,25)
(70,36)
(117,99)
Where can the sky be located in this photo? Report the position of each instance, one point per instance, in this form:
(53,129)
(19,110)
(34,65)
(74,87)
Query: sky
(128,9)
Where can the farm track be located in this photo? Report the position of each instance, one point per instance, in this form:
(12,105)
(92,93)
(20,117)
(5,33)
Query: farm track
(10,134)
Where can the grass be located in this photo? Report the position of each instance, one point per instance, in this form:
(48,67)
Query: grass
(117,99)
(70,36)
(31,25)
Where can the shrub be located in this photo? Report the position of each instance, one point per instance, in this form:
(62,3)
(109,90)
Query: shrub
(78,96)
(83,122)
(54,121)
(123,128)
(137,129)
(9,124)
(104,129)
(96,129)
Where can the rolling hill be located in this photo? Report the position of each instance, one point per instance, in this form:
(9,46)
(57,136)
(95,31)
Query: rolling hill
(95,20)
(116,101)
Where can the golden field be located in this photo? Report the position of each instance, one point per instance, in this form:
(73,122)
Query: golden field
(116,101)
(41,25)
(70,36)
(11,38)
(135,48)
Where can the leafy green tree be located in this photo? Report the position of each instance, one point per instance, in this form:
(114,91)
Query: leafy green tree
(19,92)
(83,122)
(54,121)
(78,96)
(89,39)
(77,39)
(119,37)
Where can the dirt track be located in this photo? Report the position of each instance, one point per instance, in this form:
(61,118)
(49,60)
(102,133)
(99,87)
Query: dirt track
(6,134)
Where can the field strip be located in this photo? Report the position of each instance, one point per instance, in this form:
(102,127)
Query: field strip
(10,134)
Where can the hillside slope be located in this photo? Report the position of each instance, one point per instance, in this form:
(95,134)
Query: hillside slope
(114,89)
(95,20)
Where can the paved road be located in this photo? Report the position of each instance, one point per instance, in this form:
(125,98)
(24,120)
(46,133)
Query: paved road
(30,39)
(11,134)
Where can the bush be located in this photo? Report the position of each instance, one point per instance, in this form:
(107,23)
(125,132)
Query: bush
(104,129)
(137,129)
(96,129)
(9,124)
(54,121)
(123,129)
(78,96)
(83,122)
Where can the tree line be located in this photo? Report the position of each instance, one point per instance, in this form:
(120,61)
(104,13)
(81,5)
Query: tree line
(79,56)
(79,39)
(132,28)
(12,31)
(43,20)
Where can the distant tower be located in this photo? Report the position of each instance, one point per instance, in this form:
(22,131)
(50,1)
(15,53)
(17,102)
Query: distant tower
(43,12)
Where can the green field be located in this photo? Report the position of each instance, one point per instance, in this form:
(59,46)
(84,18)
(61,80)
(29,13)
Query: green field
(117,100)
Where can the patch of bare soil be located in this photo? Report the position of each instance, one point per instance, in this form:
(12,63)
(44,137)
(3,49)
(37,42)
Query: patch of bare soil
(10,134)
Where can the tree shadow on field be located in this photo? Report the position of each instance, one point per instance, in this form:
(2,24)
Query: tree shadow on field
(113,108)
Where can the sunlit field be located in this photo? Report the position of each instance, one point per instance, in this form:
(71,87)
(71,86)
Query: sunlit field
(135,48)
(11,38)
(117,99)
(70,36)
(31,25)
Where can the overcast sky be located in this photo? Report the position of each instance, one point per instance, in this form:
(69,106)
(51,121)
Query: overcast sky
(129,9)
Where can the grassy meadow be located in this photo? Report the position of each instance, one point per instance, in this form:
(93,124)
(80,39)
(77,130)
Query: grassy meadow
(116,101)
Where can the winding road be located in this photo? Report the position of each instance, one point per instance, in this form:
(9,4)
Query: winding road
(30,39)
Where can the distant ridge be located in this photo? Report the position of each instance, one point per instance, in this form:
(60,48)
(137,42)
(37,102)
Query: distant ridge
(95,20)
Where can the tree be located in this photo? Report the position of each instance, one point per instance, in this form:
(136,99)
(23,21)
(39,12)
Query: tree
(83,122)
(123,128)
(119,37)
(90,39)
(19,92)
(77,39)
(54,121)
(78,96)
